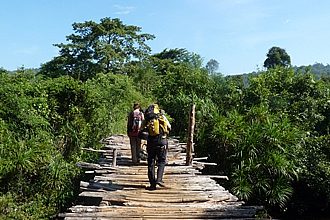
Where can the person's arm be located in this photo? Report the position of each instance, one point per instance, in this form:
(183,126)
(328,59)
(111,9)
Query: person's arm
(143,125)
(167,122)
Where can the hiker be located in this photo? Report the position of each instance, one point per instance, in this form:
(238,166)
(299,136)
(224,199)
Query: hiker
(134,123)
(158,128)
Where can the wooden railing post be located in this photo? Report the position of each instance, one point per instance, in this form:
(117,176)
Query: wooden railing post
(114,157)
(190,142)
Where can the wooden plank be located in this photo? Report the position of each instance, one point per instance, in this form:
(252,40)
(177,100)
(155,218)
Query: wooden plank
(207,207)
(123,195)
(135,213)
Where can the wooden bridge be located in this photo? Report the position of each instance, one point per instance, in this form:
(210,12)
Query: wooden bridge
(117,189)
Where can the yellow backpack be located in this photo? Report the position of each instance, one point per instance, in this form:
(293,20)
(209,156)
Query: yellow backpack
(156,123)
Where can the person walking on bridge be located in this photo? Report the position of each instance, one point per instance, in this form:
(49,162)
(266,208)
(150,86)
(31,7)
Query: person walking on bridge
(134,123)
(158,128)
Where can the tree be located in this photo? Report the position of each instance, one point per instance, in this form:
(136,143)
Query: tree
(2,70)
(277,56)
(212,66)
(180,56)
(98,47)
(273,142)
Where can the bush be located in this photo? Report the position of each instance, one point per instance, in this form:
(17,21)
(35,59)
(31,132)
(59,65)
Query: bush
(44,123)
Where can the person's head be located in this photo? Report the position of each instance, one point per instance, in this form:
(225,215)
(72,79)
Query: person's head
(154,108)
(136,106)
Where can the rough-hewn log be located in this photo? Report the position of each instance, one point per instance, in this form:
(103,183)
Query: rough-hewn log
(191,128)
(114,159)
(88,165)
(94,150)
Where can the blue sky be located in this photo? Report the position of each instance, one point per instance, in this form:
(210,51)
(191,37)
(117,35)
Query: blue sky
(236,33)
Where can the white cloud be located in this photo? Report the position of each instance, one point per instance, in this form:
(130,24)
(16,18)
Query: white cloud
(123,10)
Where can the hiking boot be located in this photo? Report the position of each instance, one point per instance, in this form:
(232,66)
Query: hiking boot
(161,184)
(152,187)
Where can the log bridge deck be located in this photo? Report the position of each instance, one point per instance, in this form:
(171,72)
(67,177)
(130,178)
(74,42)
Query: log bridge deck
(118,189)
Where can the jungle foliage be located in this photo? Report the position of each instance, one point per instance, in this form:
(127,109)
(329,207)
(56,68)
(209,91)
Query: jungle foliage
(269,132)
(44,124)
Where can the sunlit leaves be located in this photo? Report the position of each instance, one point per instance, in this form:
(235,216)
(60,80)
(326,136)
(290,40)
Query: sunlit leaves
(43,126)
(98,47)
(263,156)
(261,136)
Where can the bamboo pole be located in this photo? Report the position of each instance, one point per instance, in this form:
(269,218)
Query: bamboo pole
(190,143)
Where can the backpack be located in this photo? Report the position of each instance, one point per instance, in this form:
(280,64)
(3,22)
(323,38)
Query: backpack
(155,121)
(136,122)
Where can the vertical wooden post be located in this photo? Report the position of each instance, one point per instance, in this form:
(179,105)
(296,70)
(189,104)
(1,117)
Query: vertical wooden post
(114,157)
(190,142)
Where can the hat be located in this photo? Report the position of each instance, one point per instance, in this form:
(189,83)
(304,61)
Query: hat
(136,106)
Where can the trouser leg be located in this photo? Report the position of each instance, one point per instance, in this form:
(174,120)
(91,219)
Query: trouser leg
(161,161)
(160,172)
(138,149)
(133,142)
(151,165)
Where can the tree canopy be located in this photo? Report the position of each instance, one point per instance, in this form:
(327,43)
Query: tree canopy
(181,56)
(212,66)
(277,56)
(98,47)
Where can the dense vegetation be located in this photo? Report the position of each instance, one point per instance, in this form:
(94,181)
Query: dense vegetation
(268,131)
(318,69)
(44,124)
